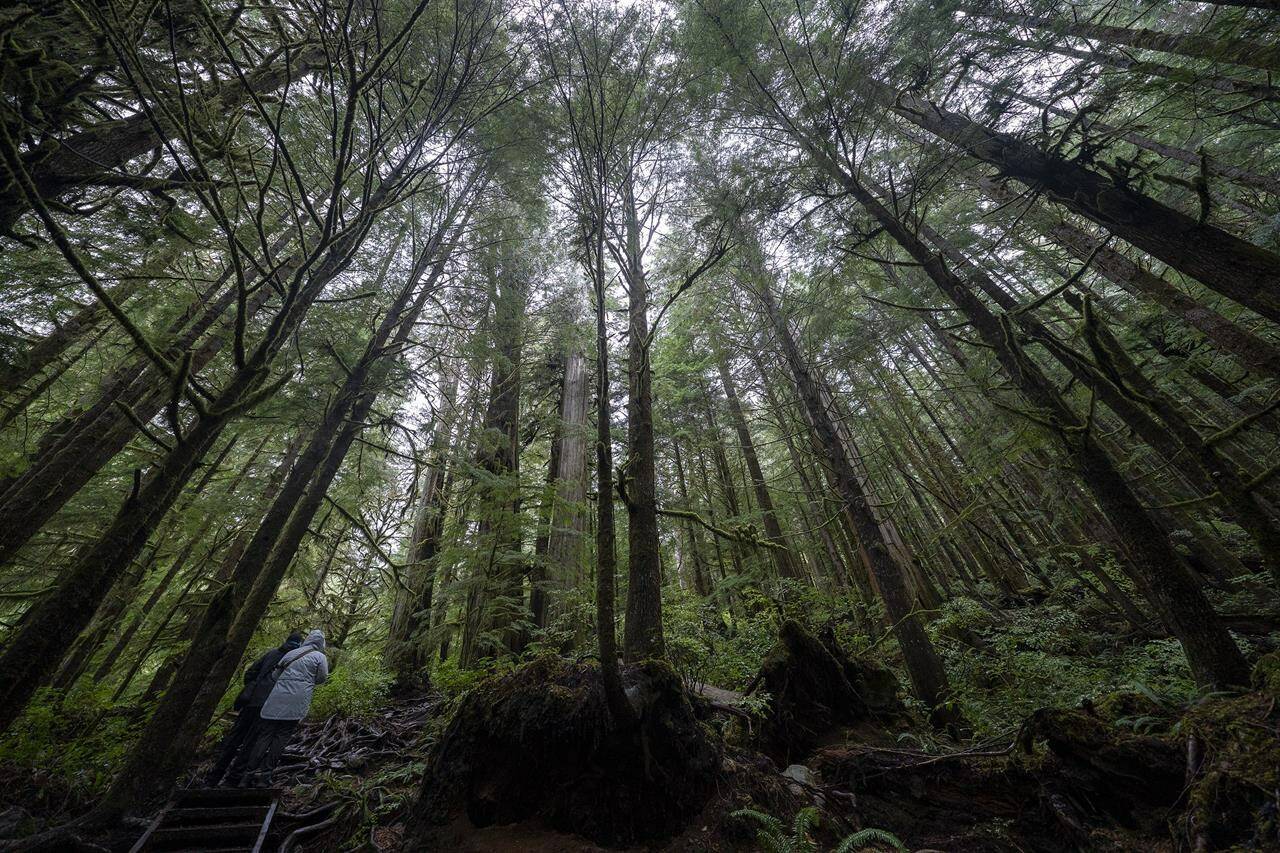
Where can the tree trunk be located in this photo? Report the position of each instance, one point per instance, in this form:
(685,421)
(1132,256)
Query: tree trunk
(495,598)
(642,636)
(701,580)
(72,451)
(564,551)
(230,618)
(1264,57)
(1160,574)
(1250,350)
(1197,160)
(923,664)
(783,560)
(407,650)
(93,155)
(1227,264)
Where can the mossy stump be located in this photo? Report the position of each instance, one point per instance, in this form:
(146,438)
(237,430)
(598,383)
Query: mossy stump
(817,688)
(540,744)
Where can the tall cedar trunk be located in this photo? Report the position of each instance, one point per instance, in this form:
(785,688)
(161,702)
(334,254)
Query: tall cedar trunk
(407,652)
(643,636)
(232,615)
(1265,57)
(1251,350)
(495,599)
(539,597)
(441,628)
(1227,264)
(1160,574)
(928,677)
(784,561)
(564,549)
(606,552)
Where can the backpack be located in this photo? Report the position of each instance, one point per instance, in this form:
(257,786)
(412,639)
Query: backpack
(255,692)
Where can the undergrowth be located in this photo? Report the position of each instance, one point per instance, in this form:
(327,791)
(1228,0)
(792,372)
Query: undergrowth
(69,746)
(358,687)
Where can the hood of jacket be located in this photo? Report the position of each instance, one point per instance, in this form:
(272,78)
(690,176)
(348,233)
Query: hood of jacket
(315,639)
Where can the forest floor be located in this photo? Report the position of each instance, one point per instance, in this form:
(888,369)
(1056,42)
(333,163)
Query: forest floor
(1126,772)
(822,749)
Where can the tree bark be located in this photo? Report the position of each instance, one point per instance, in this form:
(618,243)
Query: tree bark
(564,550)
(407,650)
(1250,350)
(642,637)
(229,620)
(928,677)
(92,155)
(1224,263)
(495,598)
(784,561)
(1264,57)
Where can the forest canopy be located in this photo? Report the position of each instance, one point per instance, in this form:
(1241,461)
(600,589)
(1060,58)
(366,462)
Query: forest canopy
(701,389)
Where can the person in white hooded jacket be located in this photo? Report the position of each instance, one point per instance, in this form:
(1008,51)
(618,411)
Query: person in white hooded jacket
(298,673)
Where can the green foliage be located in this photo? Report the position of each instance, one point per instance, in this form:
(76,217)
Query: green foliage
(774,837)
(866,838)
(77,742)
(707,643)
(357,687)
(453,680)
(1045,656)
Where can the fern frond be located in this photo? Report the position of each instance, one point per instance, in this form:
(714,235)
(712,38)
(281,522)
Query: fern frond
(864,838)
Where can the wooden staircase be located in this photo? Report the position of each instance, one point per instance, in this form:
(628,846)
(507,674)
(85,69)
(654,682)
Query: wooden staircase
(212,820)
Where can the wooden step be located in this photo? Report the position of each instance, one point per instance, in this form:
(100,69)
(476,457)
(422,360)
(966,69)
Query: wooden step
(212,820)
(216,814)
(200,797)
(204,837)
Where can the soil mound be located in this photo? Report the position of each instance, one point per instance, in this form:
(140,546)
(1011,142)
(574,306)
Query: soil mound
(539,744)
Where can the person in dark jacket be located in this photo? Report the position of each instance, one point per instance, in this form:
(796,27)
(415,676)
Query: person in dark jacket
(299,673)
(258,681)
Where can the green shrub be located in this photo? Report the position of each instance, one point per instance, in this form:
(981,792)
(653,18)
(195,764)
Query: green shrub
(452,680)
(357,687)
(78,744)
(1045,656)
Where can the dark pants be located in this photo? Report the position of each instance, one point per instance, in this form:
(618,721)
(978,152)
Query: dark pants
(234,745)
(270,737)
